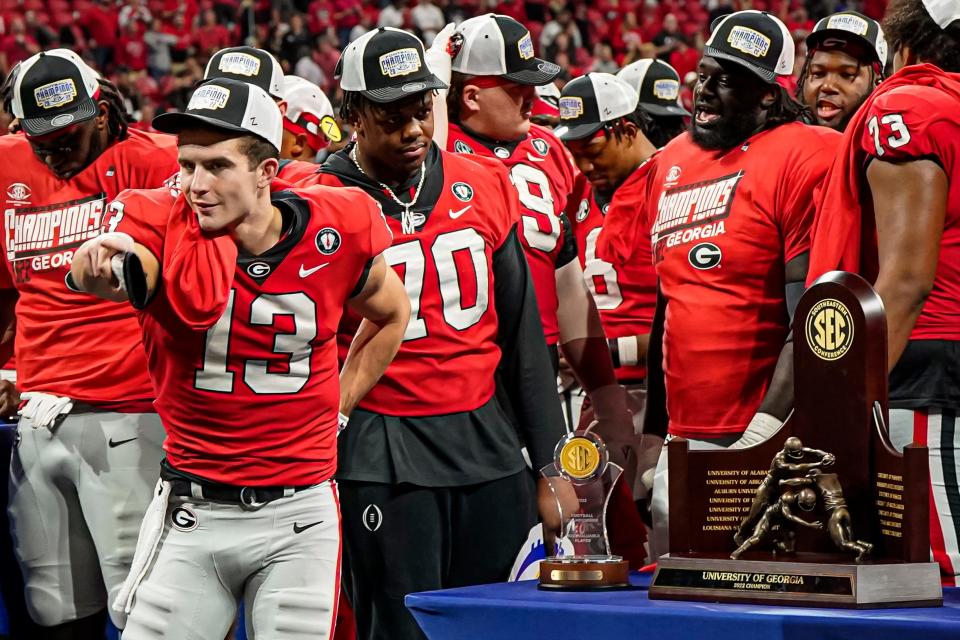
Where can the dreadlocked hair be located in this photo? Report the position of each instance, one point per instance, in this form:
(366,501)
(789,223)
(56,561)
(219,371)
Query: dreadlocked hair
(6,89)
(907,23)
(659,130)
(351,106)
(117,117)
(786,109)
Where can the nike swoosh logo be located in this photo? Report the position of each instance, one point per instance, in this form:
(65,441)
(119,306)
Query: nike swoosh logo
(116,443)
(298,529)
(456,214)
(533,158)
(309,272)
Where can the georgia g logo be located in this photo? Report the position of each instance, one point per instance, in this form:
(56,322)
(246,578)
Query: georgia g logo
(705,255)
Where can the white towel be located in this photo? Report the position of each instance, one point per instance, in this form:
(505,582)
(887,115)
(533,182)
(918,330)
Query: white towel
(150,532)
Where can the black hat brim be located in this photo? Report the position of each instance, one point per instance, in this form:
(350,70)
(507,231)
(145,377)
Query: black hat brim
(815,39)
(34,127)
(664,109)
(767,76)
(577,131)
(537,74)
(407,89)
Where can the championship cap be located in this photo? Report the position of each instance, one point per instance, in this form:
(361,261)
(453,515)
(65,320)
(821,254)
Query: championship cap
(229,104)
(837,30)
(943,12)
(386,65)
(248,64)
(589,102)
(495,45)
(309,112)
(657,84)
(755,40)
(54,89)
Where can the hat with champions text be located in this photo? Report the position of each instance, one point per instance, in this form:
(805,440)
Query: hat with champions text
(54,89)
(231,105)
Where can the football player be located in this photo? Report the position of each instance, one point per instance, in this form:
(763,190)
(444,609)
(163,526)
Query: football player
(493,89)
(728,213)
(435,491)
(89,436)
(240,289)
(307,121)
(889,210)
(846,55)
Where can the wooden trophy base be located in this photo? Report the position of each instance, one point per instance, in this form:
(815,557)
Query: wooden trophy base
(584,573)
(807,580)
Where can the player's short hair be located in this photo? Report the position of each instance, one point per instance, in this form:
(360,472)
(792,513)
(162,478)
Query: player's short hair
(455,94)
(257,150)
(908,23)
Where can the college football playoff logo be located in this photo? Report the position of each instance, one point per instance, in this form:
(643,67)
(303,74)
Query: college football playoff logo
(462,147)
(328,241)
(583,210)
(540,145)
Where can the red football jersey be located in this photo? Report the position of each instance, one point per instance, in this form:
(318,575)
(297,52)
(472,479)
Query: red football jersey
(625,295)
(293,171)
(449,354)
(252,399)
(542,172)
(722,226)
(919,122)
(67,343)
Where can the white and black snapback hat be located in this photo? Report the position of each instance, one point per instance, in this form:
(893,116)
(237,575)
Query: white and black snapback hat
(231,105)
(943,12)
(496,45)
(54,89)
(589,102)
(657,84)
(248,64)
(837,30)
(386,65)
(753,39)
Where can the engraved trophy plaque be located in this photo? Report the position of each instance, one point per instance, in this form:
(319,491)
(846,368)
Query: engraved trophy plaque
(783,522)
(582,479)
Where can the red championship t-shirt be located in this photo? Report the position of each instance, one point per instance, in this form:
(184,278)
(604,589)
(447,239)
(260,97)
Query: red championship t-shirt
(542,173)
(625,295)
(722,226)
(72,344)
(242,348)
(914,123)
(449,354)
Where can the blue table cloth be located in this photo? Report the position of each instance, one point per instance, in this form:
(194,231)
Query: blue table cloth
(519,611)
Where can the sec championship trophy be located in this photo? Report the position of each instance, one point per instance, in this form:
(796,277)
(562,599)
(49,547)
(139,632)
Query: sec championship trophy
(824,513)
(582,479)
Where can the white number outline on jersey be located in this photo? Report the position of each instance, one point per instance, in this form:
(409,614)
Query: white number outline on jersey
(901,134)
(522,176)
(214,375)
(411,255)
(594,267)
(115,214)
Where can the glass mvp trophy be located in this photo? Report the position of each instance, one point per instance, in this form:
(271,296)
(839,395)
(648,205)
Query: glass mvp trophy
(582,479)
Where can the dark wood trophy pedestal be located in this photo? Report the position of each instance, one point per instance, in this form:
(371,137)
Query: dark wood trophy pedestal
(587,574)
(825,512)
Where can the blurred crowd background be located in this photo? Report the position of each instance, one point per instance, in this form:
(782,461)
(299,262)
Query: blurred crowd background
(156,50)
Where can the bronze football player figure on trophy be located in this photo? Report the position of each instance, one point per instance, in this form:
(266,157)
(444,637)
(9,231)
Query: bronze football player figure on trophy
(777,522)
(839,523)
(781,468)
